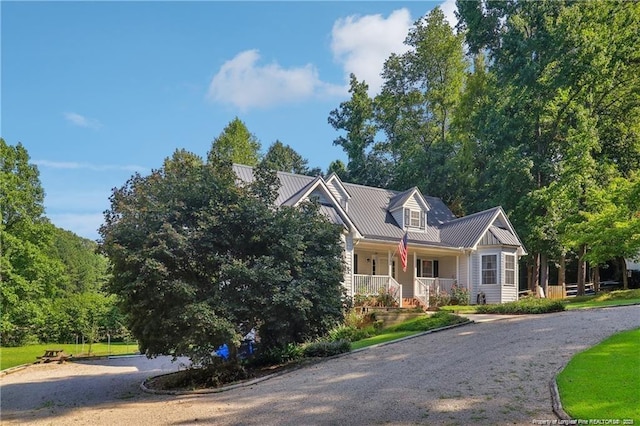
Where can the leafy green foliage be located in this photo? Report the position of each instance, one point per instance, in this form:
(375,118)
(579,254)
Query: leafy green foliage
(527,305)
(236,144)
(43,269)
(198,260)
(323,349)
(283,158)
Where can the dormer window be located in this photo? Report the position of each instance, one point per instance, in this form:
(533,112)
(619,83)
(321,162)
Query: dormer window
(414,218)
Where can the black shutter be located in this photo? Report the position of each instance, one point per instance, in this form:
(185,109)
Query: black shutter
(435,269)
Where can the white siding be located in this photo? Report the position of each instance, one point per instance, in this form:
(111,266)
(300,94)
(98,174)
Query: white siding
(337,193)
(491,291)
(413,203)
(509,292)
(347,243)
(463,276)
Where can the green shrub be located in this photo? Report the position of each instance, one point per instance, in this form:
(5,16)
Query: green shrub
(439,299)
(527,305)
(350,333)
(459,295)
(322,348)
(273,356)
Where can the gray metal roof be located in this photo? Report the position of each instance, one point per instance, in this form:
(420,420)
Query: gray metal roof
(504,236)
(400,198)
(467,230)
(332,215)
(369,211)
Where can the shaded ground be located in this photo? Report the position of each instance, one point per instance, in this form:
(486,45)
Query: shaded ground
(487,373)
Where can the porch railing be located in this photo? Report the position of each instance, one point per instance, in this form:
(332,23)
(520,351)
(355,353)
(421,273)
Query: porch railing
(371,285)
(437,285)
(422,291)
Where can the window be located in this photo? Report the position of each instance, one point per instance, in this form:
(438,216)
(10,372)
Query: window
(490,269)
(427,268)
(509,269)
(415,218)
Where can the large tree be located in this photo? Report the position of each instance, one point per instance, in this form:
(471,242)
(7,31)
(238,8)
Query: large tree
(198,260)
(41,266)
(422,90)
(565,110)
(236,144)
(283,158)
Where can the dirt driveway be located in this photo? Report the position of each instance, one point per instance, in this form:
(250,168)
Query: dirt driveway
(487,373)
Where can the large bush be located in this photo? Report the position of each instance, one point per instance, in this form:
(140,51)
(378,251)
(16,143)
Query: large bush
(199,260)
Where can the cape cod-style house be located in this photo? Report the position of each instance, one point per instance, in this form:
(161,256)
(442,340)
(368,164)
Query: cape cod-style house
(478,252)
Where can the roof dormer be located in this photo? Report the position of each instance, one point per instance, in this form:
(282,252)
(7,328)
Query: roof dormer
(409,209)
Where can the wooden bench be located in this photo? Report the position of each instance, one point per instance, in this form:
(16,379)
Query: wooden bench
(53,355)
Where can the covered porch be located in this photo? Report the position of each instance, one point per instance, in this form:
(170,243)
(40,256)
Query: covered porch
(377,267)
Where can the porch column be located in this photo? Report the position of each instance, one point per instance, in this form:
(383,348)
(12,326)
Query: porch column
(413,274)
(389,272)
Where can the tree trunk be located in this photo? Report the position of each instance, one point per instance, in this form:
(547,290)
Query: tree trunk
(544,274)
(535,274)
(596,279)
(582,269)
(562,273)
(623,267)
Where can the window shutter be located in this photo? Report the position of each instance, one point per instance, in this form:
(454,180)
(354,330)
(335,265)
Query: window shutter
(436,265)
(422,220)
(407,218)
(419,268)
(355,263)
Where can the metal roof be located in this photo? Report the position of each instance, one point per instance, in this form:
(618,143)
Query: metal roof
(369,212)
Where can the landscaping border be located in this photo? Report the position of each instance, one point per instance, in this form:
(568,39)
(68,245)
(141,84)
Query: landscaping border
(556,404)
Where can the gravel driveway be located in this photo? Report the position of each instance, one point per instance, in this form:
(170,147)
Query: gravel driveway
(487,373)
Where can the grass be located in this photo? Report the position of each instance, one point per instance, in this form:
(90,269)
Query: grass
(613,298)
(459,309)
(603,381)
(409,328)
(11,357)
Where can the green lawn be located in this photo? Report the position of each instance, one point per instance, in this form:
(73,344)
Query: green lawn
(409,328)
(459,309)
(614,298)
(11,357)
(603,382)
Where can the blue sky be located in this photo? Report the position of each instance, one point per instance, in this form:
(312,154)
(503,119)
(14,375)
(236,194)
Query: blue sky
(96,91)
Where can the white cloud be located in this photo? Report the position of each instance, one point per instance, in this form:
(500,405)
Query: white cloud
(82,121)
(70,165)
(83,224)
(363,44)
(244,83)
(449,8)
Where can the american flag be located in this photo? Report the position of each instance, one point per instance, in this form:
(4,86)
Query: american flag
(402,249)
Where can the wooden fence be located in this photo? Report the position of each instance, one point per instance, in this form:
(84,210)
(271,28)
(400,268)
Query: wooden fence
(569,290)
(556,292)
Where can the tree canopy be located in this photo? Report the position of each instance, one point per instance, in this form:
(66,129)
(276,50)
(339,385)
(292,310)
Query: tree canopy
(198,260)
(41,267)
